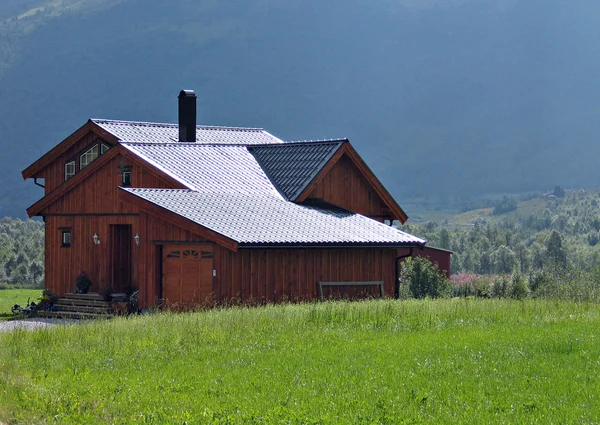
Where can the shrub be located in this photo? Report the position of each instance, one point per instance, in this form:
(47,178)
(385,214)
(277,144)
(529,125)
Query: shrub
(519,289)
(423,278)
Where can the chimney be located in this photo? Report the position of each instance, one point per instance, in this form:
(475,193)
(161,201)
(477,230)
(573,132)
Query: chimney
(187,116)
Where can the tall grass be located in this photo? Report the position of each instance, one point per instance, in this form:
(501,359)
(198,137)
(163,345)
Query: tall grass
(374,362)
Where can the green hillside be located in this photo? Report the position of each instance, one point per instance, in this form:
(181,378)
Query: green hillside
(448,99)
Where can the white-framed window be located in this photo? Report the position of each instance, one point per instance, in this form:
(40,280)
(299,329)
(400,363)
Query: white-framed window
(126,178)
(88,156)
(69,170)
(103,148)
(66,238)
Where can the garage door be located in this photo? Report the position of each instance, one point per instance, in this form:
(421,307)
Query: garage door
(187,274)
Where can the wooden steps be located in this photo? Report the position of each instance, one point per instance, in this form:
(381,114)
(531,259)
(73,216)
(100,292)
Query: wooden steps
(80,306)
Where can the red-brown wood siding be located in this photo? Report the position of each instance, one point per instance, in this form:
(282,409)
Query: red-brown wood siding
(98,194)
(440,257)
(275,275)
(346,187)
(91,208)
(54,173)
(64,264)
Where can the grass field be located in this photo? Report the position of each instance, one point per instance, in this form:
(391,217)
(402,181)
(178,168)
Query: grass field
(454,361)
(10,297)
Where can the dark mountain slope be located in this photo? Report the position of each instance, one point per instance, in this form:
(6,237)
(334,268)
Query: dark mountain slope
(476,97)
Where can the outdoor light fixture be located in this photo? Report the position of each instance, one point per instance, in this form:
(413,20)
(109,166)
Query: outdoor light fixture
(137,239)
(96,239)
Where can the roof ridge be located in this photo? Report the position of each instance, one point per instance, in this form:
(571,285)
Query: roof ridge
(234,145)
(164,124)
(318,141)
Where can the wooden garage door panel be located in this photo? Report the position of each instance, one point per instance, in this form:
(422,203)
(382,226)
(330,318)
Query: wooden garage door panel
(187,273)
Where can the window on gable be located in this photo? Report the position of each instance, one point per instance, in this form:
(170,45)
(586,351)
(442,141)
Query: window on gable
(103,148)
(66,238)
(88,156)
(126,178)
(69,169)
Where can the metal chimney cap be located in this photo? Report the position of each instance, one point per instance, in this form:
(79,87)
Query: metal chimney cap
(187,93)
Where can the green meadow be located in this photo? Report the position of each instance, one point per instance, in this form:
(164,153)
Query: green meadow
(458,361)
(10,297)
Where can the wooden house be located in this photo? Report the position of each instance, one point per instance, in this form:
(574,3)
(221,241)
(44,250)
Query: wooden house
(193,214)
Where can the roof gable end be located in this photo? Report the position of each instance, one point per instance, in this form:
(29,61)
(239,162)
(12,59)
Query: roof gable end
(292,166)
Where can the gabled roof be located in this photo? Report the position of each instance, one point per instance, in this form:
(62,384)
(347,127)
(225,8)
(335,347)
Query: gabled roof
(267,220)
(293,165)
(148,132)
(207,168)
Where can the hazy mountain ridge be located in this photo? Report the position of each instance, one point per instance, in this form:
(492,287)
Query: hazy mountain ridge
(456,98)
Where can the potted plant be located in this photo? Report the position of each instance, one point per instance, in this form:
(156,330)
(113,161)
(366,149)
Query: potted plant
(83,283)
(47,300)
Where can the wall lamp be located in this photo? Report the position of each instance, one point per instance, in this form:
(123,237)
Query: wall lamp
(136,238)
(96,239)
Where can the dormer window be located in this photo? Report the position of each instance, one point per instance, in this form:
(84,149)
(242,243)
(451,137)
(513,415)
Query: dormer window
(69,169)
(88,156)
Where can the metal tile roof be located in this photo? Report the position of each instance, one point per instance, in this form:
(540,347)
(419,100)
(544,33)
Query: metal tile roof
(270,220)
(292,166)
(207,168)
(147,132)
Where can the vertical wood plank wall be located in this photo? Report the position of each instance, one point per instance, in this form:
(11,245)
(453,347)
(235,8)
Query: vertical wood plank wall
(91,208)
(345,187)
(275,275)
(54,174)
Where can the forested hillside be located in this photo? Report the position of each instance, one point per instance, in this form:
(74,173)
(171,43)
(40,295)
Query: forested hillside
(21,253)
(555,233)
(443,98)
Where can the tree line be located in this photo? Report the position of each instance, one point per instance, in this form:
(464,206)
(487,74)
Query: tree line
(21,253)
(564,232)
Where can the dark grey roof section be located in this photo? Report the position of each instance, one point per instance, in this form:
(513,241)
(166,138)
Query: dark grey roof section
(149,132)
(267,220)
(292,166)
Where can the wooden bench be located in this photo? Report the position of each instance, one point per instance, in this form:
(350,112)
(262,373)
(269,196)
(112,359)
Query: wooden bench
(375,283)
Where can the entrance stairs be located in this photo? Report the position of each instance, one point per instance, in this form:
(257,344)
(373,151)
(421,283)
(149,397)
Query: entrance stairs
(80,306)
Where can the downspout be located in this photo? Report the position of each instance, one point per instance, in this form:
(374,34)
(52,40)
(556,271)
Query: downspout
(39,184)
(397,285)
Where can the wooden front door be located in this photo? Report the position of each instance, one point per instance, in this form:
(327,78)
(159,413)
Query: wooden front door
(187,274)
(121,253)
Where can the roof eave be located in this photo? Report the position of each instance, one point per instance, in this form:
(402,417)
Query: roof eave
(338,245)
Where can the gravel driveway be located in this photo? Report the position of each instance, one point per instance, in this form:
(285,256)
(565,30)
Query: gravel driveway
(33,323)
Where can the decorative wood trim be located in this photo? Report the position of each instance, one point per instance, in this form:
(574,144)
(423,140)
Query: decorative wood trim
(92,215)
(396,211)
(178,220)
(63,146)
(332,161)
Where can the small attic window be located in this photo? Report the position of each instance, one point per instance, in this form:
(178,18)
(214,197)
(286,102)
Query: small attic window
(69,169)
(88,156)
(66,238)
(104,148)
(126,178)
